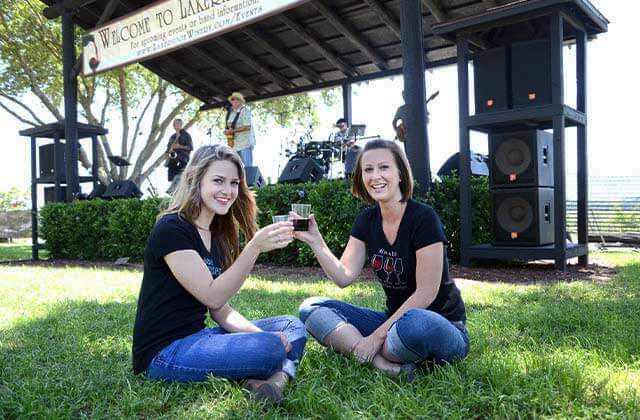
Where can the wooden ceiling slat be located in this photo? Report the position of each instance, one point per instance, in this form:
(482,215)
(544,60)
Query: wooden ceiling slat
(350,34)
(384,15)
(261,39)
(209,59)
(234,50)
(307,36)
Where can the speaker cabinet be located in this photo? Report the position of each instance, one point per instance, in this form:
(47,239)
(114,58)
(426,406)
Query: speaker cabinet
(254,177)
(122,189)
(46,154)
(301,169)
(523,216)
(531,73)
(491,80)
(521,159)
(50,195)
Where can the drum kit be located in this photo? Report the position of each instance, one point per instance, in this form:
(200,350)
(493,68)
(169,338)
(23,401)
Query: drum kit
(334,156)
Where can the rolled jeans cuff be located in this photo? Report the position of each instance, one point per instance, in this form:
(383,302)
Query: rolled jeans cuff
(323,321)
(289,367)
(397,347)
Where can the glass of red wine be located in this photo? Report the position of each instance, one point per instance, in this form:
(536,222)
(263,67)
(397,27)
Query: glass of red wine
(388,267)
(301,216)
(376,262)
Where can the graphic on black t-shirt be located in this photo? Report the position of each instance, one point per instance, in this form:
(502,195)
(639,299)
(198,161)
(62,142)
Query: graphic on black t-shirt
(213,268)
(395,264)
(389,269)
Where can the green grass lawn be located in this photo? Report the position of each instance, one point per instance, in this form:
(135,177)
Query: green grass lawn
(20,250)
(561,351)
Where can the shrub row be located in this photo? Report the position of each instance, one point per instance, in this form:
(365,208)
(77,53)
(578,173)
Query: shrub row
(108,230)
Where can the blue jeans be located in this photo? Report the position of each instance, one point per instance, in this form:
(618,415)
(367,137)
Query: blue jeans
(246,155)
(418,335)
(213,351)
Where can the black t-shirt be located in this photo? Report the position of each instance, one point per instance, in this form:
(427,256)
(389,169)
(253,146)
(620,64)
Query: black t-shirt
(166,310)
(395,264)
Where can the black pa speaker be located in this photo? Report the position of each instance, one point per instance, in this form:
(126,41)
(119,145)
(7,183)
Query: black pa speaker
(523,216)
(491,80)
(477,165)
(521,159)
(301,169)
(50,195)
(46,154)
(531,73)
(122,189)
(254,177)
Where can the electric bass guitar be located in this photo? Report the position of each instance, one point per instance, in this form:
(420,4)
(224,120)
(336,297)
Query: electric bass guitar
(401,130)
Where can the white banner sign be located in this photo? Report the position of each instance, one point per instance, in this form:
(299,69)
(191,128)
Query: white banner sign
(168,25)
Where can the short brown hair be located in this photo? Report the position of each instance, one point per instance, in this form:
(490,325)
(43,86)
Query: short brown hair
(358,188)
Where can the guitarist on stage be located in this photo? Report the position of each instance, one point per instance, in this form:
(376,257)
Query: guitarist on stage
(238,128)
(178,150)
(400,119)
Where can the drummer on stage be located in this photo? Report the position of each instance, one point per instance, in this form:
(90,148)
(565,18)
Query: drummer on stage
(346,143)
(341,136)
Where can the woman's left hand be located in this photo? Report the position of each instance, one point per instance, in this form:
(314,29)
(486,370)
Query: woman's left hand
(367,348)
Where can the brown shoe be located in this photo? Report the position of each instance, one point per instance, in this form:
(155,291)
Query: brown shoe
(271,389)
(266,391)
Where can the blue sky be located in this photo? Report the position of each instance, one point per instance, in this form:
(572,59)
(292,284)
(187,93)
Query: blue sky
(613,96)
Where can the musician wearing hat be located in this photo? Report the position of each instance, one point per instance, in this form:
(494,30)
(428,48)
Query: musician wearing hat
(238,128)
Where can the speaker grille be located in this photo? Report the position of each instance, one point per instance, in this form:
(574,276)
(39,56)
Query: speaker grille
(515,214)
(513,157)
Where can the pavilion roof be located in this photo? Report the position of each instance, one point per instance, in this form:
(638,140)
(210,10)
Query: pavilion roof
(318,44)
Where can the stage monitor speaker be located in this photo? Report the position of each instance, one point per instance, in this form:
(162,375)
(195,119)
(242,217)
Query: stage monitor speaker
(521,159)
(301,169)
(523,216)
(254,177)
(50,195)
(122,189)
(477,164)
(491,80)
(531,73)
(46,161)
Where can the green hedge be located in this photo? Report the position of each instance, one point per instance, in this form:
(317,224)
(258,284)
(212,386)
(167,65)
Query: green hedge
(108,230)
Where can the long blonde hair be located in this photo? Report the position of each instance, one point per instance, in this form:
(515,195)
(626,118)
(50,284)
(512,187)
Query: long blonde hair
(187,202)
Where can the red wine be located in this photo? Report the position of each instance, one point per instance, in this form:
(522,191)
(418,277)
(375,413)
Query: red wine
(300,224)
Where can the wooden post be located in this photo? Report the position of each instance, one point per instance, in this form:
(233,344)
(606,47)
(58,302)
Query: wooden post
(347,103)
(94,160)
(465,170)
(583,167)
(417,142)
(557,96)
(70,106)
(34,201)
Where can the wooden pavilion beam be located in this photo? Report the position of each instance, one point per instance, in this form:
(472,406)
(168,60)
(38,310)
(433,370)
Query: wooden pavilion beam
(262,40)
(56,10)
(351,35)
(280,81)
(385,16)
(203,55)
(194,75)
(307,36)
(441,15)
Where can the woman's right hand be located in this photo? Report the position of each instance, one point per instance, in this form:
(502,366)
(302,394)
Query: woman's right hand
(274,236)
(311,236)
